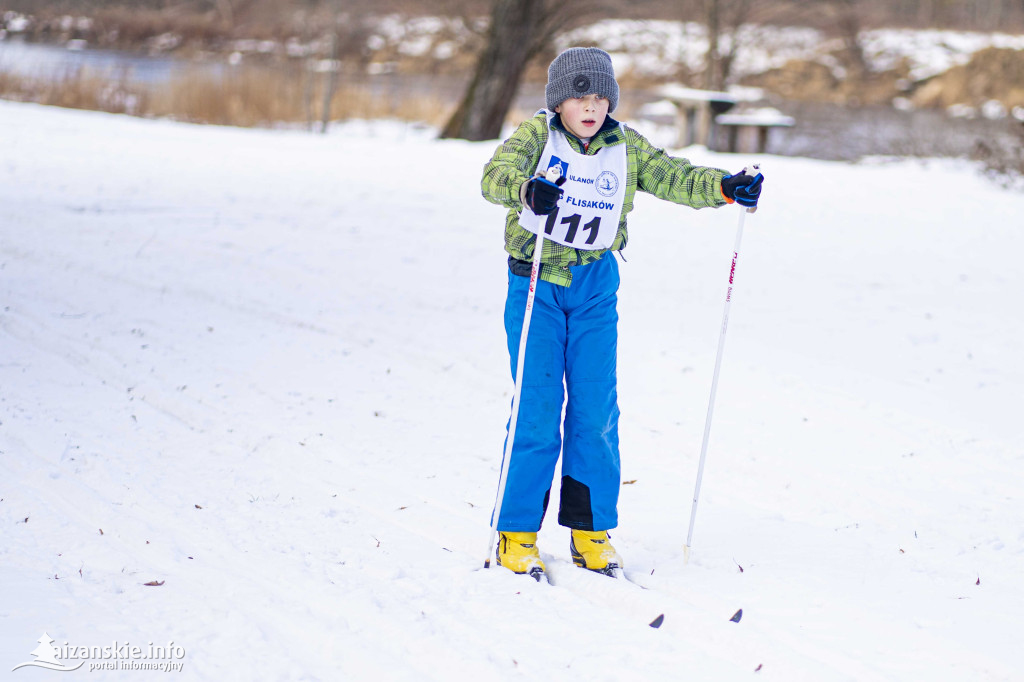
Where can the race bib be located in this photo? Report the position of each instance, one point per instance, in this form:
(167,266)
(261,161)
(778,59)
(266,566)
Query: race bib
(588,213)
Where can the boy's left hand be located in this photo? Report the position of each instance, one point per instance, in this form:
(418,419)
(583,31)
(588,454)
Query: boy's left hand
(742,188)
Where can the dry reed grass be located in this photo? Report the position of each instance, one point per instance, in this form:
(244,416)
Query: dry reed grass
(268,97)
(249,97)
(75,90)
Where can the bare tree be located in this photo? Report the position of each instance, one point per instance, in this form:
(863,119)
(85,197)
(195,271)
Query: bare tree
(723,20)
(519,29)
(714,79)
(849,19)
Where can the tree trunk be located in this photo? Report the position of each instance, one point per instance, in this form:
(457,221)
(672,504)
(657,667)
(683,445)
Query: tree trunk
(330,79)
(850,24)
(712,19)
(926,13)
(518,29)
(723,20)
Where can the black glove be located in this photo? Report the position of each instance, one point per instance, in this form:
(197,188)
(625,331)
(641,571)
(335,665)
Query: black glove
(542,195)
(742,188)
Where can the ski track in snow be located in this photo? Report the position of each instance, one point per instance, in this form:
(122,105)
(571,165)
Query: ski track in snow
(268,369)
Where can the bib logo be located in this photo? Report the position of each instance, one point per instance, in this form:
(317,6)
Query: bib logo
(564,165)
(607,184)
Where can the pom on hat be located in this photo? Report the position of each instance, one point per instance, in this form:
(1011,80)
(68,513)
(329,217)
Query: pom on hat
(581,71)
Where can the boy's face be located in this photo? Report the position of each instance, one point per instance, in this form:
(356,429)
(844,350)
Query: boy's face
(583,116)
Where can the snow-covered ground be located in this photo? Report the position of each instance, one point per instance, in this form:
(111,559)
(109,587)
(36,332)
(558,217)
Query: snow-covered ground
(266,370)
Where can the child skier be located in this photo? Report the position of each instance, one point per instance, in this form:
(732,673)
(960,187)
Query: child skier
(572,339)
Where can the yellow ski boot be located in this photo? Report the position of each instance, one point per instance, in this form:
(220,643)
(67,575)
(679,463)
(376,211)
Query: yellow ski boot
(518,553)
(592,550)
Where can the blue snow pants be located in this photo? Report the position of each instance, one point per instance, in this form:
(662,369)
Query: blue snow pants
(571,348)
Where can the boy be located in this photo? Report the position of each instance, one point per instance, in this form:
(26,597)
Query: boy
(572,338)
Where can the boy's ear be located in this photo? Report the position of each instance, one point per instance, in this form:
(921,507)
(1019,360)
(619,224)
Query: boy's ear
(558,109)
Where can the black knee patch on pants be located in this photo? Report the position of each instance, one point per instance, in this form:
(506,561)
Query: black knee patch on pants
(575,510)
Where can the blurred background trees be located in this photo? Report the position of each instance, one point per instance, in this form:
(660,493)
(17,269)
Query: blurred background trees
(458,64)
(270,16)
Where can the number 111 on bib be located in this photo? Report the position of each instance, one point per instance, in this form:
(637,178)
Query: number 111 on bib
(591,229)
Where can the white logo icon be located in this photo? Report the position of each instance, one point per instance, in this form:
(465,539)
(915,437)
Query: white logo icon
(46,657)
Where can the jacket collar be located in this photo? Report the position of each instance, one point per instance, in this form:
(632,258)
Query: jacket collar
(609,124)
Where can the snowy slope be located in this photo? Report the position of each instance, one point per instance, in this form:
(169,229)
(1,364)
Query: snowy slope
(267,369)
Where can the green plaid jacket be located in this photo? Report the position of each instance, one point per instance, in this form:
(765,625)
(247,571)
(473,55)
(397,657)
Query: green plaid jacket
(648,169)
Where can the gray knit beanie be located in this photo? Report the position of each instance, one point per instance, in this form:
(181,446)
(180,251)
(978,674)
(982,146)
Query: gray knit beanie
(581,71)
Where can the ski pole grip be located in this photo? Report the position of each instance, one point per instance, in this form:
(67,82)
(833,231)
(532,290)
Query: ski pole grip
(757,169)
(553,175)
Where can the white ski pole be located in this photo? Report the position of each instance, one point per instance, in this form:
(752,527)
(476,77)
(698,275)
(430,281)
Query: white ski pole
(714,380)
(506,461)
